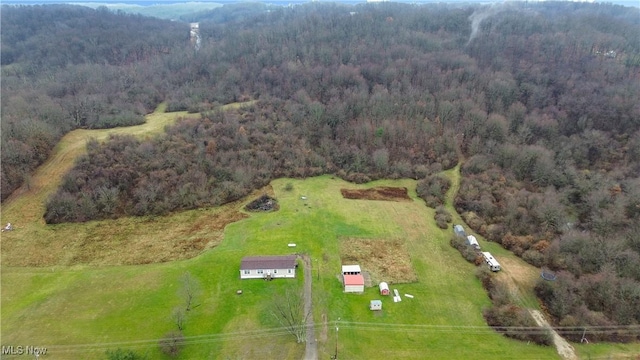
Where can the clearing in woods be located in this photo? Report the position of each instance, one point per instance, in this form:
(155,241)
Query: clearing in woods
(124,241)
(85,309)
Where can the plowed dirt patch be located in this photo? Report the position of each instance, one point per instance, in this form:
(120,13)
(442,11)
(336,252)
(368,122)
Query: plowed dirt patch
(384,260)
(386,193)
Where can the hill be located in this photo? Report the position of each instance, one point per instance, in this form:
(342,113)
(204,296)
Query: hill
(174,11)
(537,102)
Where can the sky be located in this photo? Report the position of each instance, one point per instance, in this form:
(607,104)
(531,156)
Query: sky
(633,3)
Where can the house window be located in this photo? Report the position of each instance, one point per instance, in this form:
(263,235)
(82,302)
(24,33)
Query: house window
(275,271)
(289,271)
(260,271)
(247,272)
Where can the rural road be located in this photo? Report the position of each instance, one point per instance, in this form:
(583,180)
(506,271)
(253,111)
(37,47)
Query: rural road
(565,350)
(311,351)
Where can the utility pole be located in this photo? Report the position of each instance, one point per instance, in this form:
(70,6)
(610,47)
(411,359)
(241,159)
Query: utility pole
(336,355)
(584,339)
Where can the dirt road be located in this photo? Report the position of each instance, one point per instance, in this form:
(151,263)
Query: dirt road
(565,350)
(311,352)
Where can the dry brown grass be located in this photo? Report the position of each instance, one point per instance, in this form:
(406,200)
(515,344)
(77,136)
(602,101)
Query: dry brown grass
(385,260)
(520,278)
(125,241)
(134,240)
(377,193)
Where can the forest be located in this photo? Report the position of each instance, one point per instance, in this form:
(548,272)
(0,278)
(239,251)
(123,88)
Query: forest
(538,102)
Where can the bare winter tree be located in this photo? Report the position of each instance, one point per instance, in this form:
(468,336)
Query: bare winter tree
(179,317)
(189,290)
(289,310)
(172,343)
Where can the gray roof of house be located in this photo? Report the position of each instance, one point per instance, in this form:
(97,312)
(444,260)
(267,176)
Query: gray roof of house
(268,262)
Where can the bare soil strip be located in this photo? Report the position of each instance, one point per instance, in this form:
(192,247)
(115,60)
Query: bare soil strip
(565,350)
(385,193)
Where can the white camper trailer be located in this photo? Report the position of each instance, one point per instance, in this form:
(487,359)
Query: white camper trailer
(459,231)
(494,265)
(472,241)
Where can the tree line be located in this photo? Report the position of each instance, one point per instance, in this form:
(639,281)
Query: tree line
(538,102)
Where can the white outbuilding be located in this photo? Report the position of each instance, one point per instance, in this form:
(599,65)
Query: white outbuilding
(351,270)
(384,288)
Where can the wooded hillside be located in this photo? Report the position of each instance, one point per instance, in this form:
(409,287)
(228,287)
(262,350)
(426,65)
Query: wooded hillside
(539,102)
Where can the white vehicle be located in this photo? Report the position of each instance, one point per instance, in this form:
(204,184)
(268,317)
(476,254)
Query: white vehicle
(494,265)
(472,241)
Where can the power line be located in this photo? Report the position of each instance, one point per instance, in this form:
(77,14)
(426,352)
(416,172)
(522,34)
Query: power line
(206,338)
(621,330)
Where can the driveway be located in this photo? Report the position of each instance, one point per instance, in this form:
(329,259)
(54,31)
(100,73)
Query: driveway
(311,352)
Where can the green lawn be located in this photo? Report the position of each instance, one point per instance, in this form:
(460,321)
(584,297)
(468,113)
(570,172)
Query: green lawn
(86,310)
(608,351)
(53,295)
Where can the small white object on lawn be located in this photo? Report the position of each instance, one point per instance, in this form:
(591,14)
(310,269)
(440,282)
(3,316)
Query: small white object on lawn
(408,295)
(303,197)
(292,245)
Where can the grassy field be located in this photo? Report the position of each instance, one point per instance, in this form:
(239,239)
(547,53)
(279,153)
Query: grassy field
(163,11)
(124,241)
(84,310)
(72,288)
(608,351)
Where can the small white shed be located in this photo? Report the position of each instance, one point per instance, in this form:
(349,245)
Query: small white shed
(375,305)
(384,288)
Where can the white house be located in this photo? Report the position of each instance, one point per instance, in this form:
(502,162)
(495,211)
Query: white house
(268,267)
(375,305)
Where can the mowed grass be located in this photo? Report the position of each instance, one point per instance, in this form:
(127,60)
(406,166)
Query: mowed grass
(442,321)
(60,287)
(79,312)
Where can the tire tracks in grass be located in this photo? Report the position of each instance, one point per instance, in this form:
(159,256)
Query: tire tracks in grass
(516,274)
(311,349)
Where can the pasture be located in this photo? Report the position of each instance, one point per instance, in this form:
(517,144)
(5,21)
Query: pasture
(81,289)
(85,310)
